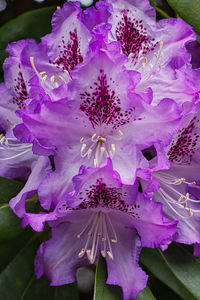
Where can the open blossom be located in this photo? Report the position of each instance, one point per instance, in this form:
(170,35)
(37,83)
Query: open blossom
(102,87)
(156,49)
(102,115)
(101,215)
(16,158)
(176,184)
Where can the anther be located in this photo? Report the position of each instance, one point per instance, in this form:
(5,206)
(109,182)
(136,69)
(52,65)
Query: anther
(190,212)
(82,139)
(43,75)
(113,241)
(120,133)
(95,162)
(103,253)
(62,79)
(180,198)
(110,255)
(83,148)
(89,153)
(66,72)
(93,137)
(110,153)
(81,253)
(187,196)
(54,80)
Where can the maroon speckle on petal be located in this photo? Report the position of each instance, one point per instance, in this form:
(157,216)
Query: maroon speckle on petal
(69,53)
(183,148)
(99,195)
(132,35)
(20,90)
(102,106)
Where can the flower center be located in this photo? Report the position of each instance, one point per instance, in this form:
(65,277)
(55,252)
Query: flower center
(172,195)
(100,235)
(99,147)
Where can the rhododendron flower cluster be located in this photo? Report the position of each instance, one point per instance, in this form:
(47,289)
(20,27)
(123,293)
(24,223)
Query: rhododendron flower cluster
(111,95)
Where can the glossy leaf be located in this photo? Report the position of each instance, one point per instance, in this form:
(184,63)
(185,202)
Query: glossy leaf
(40,290)
(10,224)
(9,188)
(176,267)
(101,289)
(18,274)
(145,294)
(9,249)
(188,10)
(32,24)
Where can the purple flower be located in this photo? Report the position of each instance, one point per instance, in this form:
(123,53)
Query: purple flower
(177,184)
(102,116)
(17,158)
(157,50)
(101,215)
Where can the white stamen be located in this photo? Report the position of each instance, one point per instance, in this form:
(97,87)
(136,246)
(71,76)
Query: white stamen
(120,133)
(103,253)
(89,153)
(98,225)
(81,253)
(93,138)
(62,78)
(110,255)
(82,139)
(83,148)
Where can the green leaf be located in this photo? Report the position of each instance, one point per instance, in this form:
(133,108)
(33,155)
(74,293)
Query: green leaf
(32,24)
(101,289)
(9,188)
(176,267)
(40,290)
(188,10)
(145,294)
(10,224)
(19,272)
(9,249)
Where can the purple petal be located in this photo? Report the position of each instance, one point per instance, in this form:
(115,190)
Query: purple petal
(39,171)
(124,270)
